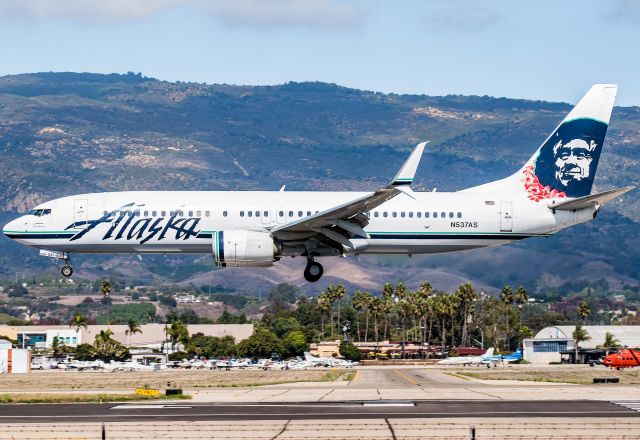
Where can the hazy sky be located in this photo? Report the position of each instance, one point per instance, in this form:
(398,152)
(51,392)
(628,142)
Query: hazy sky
(552,50)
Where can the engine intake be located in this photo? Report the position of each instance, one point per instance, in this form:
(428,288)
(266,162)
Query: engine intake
(242,248)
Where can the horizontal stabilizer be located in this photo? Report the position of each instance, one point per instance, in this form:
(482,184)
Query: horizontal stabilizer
(590,200)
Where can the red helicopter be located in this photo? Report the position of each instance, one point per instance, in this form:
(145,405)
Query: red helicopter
(623,359)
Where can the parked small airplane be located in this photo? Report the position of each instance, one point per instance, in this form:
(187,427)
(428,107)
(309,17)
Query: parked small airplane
(551,192)
(327,361)
(502,358)
(467,360)
(624,358)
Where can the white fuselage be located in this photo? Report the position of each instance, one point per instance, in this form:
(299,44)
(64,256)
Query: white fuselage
(185,222)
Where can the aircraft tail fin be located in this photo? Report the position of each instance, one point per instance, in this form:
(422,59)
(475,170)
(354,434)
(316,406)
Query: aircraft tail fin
(564,166)
(489,352)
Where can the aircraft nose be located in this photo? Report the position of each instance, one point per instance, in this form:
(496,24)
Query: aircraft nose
(11,228)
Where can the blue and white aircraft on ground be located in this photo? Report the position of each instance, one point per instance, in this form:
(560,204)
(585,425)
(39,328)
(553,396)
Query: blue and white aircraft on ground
(552,191)
(503,358)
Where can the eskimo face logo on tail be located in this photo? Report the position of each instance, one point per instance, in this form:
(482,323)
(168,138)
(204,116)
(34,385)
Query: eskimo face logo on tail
(566,163)
(126,223)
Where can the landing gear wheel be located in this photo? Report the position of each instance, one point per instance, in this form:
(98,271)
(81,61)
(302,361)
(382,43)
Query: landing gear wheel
(67,271)
(313,272)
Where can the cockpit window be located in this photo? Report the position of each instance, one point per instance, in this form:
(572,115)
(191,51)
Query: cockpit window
(39,212)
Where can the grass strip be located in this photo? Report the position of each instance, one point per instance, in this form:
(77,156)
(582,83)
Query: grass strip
(85,398)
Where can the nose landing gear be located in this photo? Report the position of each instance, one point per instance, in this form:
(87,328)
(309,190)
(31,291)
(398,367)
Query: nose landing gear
(313,272)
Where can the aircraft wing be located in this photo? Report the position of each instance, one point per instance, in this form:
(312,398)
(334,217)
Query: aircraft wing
(346,221)
(590,200)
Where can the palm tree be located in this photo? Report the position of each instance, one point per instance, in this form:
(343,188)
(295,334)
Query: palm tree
(466,295)
(579,335)
(360,301)
(132,329)
(324,305)
(387,305)
(105,289)
(178,333)
(78,322)
(506,296)
(610,342)
(334,294)
(442,309)
(583,310)
(521,297)
(525,333)
(376,309)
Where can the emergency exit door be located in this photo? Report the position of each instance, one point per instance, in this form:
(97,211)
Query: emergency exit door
(506,217)
(80,211)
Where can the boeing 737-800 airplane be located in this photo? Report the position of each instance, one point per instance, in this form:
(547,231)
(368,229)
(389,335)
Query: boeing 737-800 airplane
(550,192)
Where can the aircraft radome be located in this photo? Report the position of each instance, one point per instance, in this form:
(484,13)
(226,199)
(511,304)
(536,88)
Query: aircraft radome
(552,191)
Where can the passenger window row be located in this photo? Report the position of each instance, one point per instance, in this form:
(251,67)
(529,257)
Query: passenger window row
(411,214)
(180,213)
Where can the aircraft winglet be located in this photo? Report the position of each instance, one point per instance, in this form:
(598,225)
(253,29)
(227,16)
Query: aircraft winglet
(408,171)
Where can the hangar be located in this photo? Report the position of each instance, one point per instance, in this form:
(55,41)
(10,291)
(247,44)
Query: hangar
(550,343)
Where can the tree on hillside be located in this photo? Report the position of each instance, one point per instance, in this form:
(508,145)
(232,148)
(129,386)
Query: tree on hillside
(579,335)
(525,333)
(178,333)
(132,328)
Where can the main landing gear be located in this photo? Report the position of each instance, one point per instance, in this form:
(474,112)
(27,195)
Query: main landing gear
(313,272)
(67,270)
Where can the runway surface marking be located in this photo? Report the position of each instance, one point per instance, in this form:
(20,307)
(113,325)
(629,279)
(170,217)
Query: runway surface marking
(143,406)
(405,377)
(383,404)
(633,405)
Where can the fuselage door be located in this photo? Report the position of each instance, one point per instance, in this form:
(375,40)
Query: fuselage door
(506,216)
(266,216)
(80,211)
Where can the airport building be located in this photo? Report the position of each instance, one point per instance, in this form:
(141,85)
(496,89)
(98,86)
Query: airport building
(151,336)
(13,360)
(555,343)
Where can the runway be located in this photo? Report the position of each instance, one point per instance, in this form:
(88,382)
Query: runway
(186,411)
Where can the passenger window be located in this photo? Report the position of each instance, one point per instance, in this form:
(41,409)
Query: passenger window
(249,213)
(394,214)
(426,215)
(190,213)
(308,213)
(435,215)
(451,215)
(299,213)
(199,213)
(164,213)
(265,214)
(257,213)
(443,215)
(241,213)
(290,213)
(206,213)
(154,213)
(172,213)
(459,215)
(225,213)
(317,212)
(375,214)
(384,214)
(410,214)
(402,214)
(146,213)
(280,213)
(418,214)
(105,213)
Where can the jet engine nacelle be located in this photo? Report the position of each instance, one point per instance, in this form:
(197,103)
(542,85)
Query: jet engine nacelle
(242,248)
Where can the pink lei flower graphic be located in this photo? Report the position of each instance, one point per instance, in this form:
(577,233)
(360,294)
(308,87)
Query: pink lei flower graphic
(534,188)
